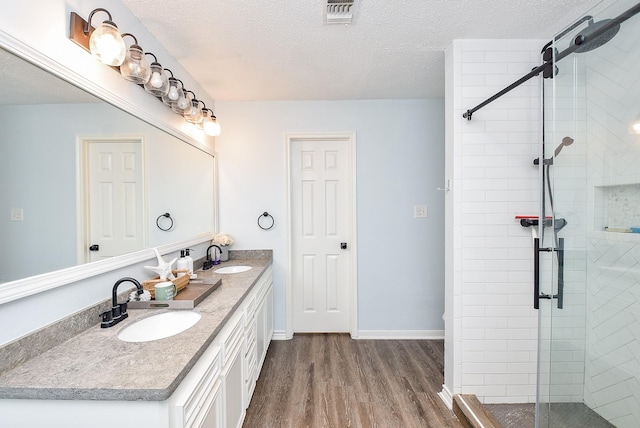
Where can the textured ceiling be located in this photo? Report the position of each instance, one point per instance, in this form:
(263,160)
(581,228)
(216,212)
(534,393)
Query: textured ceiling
(282,50)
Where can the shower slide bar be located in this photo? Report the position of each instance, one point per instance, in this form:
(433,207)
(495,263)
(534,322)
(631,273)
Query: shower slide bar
(582,43)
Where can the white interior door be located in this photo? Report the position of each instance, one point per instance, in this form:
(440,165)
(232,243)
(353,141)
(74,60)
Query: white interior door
(322,235)
(115,203)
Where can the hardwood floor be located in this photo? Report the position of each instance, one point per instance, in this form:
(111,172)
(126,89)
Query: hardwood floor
(330,380)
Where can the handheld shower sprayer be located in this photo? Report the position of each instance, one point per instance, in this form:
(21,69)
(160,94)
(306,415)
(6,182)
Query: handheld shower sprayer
(566,141)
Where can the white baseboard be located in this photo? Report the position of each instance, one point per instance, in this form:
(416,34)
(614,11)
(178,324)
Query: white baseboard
(446,397)
(401,334)
(280,335)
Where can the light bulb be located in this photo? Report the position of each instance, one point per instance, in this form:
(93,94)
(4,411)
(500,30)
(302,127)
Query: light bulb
(193,114)
(106,44)
(181,106)
(135,67)
(212,128)
(173,93)
(636,127)
(156,80)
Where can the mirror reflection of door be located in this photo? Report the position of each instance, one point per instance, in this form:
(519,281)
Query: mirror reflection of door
(113,203)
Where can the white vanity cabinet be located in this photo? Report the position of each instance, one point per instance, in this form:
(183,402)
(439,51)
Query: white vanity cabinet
(258,330)
(264,322)
(214,394)
(218,390)
(198,400)
(231,339)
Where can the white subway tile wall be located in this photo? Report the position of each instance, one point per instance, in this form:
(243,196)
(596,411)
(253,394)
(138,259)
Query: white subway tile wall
(495,325)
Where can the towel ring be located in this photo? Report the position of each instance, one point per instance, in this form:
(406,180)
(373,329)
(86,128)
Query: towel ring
(267,215)
(167,215)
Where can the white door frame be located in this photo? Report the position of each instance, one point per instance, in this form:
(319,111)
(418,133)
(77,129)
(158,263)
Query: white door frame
(82,187)
(348,138)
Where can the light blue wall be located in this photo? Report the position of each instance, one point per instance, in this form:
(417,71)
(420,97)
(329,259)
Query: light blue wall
(400,163)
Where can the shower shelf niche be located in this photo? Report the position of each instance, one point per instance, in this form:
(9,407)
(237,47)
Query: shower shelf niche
(617,208)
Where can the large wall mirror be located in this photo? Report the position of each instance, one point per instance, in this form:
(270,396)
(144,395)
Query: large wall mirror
(54,140)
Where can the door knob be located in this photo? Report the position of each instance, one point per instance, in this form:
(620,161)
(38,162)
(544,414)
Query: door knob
(94,247)
(343,245)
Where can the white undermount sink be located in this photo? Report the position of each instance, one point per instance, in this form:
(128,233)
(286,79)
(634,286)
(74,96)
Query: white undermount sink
(233,269)
(159,326)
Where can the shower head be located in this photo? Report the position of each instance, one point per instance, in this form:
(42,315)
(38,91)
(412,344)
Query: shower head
(566,141)
(585,44)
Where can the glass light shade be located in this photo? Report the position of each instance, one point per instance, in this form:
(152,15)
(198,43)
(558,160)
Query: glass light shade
(183,103)
(205,116)
(106,44)
(193,114)
(212,127)
(158,84)
(135,67)
(174,93)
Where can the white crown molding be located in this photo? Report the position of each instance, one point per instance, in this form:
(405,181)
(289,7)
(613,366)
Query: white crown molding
(35,284)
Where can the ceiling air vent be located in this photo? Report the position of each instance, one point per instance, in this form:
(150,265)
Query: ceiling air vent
(339,11)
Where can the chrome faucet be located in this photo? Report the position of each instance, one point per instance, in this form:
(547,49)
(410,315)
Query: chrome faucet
(118,311)
(208,263)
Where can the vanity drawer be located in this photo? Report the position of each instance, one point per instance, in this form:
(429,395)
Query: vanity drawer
(250,310)
(232,337)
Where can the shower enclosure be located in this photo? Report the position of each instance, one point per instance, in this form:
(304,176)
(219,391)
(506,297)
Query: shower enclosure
(589,244)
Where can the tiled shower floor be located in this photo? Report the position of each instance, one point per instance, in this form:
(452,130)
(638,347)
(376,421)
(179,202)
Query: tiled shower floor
(563,415)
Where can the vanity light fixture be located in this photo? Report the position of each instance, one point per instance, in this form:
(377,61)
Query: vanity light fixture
(210,124)
(104,42)
(183,101)
(158,84)
(107,45)
(205,116)
(193,114)
(174,92)
(135,67)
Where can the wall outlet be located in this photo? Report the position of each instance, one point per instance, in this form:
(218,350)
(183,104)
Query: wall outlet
(16,214)
(420,211)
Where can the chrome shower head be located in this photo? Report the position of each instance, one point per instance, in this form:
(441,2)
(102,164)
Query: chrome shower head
(566,141)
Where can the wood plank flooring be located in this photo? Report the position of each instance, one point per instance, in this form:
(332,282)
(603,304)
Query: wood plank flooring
(330,380)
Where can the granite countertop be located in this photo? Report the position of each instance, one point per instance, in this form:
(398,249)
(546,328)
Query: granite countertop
(96,365)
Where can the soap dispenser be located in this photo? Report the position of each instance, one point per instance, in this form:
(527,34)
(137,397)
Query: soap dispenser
(190,262)
(183,263)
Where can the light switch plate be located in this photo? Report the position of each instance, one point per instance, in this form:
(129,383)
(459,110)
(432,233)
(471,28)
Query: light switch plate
(420,211)
(17,214)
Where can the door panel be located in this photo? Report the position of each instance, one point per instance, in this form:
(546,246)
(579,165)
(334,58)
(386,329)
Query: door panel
(321,221)
(115,198)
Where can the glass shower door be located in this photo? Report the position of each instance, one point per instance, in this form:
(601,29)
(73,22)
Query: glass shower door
(562,303)
(589,312)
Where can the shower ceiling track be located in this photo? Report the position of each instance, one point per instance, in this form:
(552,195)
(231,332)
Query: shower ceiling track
(581,41)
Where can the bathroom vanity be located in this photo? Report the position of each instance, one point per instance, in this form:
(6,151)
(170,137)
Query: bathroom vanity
(202,377)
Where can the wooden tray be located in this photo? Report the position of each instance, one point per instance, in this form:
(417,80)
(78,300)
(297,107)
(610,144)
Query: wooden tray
(187,298)
(181,282)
